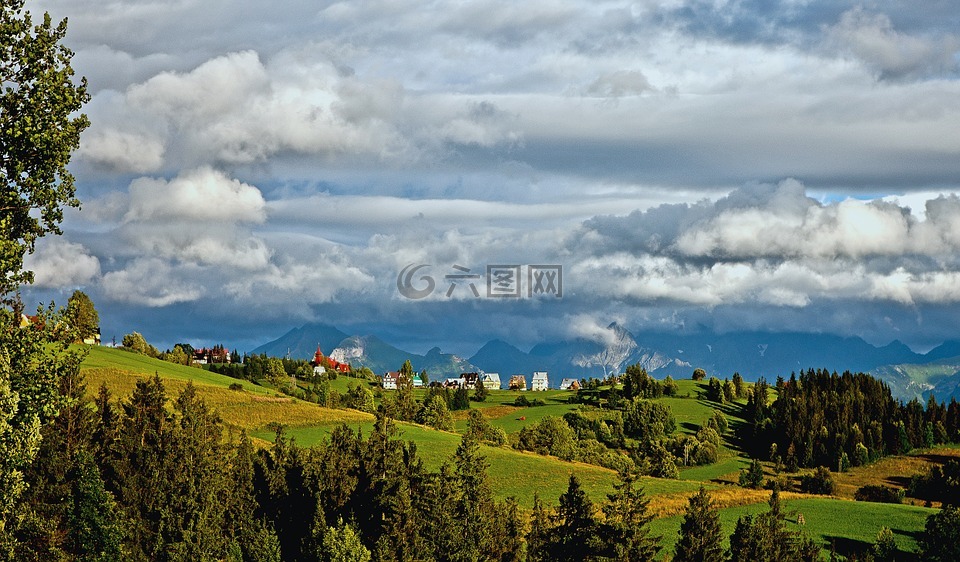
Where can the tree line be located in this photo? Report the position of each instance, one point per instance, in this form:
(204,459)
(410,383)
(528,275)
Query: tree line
(821,418)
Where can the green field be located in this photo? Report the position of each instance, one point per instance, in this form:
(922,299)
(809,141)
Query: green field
(846,524)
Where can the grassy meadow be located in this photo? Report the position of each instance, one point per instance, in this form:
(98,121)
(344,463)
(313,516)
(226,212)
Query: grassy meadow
(833,521)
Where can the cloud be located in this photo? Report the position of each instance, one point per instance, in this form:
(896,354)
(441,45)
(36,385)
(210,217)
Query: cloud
(59,263)
(894,55)
(620,83)
(203,194)
(123,151)
(777,246)
(150,282)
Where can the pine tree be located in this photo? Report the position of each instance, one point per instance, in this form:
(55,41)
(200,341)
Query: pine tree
(342,544)
(476,509)
(626,531)
(574,535)
(701,537)
(94,527)
(541,529)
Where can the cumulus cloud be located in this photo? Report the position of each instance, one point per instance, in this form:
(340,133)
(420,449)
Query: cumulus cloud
(203,194)
(777,246)
(152,283)
(123,151)
(235,109)
(59,263)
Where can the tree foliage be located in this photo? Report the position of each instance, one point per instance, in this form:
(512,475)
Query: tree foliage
(81,316)
(701,537)
(39,129)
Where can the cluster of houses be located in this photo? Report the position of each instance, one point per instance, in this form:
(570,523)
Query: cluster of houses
(211,355)
(490,381)
(321,363)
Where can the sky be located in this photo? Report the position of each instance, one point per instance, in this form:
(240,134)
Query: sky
(677,166)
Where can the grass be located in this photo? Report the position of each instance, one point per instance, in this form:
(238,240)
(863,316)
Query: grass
(834,523)
(831,521)
(895,471)
(252,408)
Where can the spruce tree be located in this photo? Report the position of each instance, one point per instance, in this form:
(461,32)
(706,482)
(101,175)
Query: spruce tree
(574,535)
(541,529)
(626,531)
(701,538)
(93,522)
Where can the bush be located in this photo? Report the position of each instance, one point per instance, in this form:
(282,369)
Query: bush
(235,386)
(820,482)
(879,494)
(753,476)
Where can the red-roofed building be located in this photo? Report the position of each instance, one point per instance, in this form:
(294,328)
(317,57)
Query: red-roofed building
(321,364)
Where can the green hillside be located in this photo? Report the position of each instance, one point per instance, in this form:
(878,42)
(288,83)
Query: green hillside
(831,521)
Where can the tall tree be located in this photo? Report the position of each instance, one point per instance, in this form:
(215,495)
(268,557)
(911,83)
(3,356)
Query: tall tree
(538,537)
(626,530)
(574,534)
(701,538)
(940,541)
(39,129)
(81,316)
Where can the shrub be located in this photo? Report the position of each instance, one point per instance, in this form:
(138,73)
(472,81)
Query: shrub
(820,482)
(878,493)
(236,386)
(753,476)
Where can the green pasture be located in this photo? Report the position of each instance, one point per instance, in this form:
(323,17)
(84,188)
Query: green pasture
(845,525)
(99,357)
(513,473)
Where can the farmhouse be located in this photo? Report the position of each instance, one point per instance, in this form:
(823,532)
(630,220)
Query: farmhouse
(539,381)
(469,379)
(569,384)
(391,380)
(491,381)
(517,382)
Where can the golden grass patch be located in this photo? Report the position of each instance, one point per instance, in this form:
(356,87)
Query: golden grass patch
(894,472)
(669,505)
(240,409)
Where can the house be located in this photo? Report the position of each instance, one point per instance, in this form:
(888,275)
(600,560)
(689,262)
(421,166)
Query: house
(393,379)
(215,354)
(93,339)
(491,381)
(517,382)
(390,379)
(539,381)
(569,384)
(321,364)
(453,383)
(469,379)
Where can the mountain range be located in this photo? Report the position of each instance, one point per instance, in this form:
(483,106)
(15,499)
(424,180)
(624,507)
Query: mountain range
(752,354)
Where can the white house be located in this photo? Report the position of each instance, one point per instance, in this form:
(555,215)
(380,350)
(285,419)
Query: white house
(491,381)
(539,381)
(390,380)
